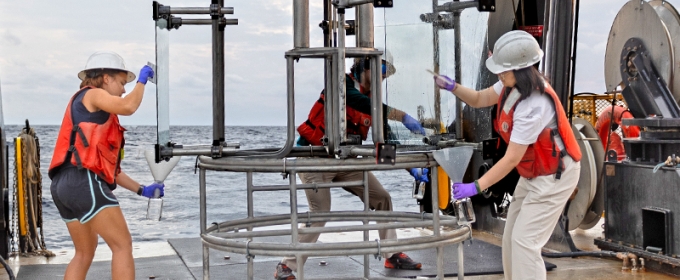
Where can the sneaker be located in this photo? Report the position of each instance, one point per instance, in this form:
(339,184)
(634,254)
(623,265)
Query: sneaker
(401,261)
(283,272)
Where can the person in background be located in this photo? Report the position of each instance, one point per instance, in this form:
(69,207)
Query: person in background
(358,84)
(541,145)
(85,166)
(607,130)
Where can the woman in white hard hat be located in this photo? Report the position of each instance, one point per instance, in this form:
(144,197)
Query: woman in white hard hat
(541,145)
(85,166)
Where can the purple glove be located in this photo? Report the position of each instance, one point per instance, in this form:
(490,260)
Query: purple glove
(154,190)
(463,190)
(412,124)
(145,74)
(420,175)
(445,82)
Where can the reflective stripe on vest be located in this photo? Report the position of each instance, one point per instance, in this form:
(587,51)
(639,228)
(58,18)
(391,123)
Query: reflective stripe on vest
(543,157)
(95,147)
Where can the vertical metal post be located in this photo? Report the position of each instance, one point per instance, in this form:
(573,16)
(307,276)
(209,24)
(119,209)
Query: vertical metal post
(328,73)
(461,259)
(293,207)
(434,190)
(202,222)
(364,25)
(249,187)
(376,100)
(342,91)
(558,44)
(456,49)
(367,259)
(435,60)
(218,77)
(301,23)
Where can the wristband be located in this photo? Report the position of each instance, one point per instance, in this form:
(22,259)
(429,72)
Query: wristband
(140,190)
(479,190)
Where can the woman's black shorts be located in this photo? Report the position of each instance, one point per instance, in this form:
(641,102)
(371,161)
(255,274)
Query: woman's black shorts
(80,194)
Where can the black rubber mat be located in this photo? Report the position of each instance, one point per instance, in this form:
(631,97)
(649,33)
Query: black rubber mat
(162,268)
(480,258)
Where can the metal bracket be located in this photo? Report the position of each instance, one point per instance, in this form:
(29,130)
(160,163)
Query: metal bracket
(378,256)
(387,153)
(248,255)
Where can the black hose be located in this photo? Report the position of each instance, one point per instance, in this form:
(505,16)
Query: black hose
(599,254)
(9,269)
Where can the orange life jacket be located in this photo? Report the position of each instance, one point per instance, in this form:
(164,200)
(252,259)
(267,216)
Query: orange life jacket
(543,157)
(96,147)
(314,128)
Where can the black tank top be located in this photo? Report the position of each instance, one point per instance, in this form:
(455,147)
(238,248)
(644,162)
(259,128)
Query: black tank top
(80,114)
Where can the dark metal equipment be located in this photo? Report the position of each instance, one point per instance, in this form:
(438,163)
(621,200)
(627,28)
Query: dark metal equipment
(641,192)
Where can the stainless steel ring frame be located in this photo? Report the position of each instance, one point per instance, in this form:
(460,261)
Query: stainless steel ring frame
(238,235)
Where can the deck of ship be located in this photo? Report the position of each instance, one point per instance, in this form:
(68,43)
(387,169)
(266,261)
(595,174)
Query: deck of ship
(180,259)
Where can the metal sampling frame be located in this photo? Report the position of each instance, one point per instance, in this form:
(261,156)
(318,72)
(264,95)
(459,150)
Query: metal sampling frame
(338,156)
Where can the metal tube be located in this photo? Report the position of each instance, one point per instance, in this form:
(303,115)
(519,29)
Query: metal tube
(332,216)
(376,100)
(461,258)
(301,23)
(202,222)
(458,71)
(434,191)
(328,229)
(455,6)
(162,83)
(367,260)
(342,90)
(249,193)
(218,78)
(293,208)
(364,26)
(200,10)
(435,60)
(309,186)
(193,21)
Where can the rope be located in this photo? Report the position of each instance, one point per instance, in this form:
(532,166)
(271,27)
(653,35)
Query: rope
(32,181)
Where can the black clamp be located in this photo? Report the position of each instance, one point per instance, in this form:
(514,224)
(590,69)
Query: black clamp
(378,256)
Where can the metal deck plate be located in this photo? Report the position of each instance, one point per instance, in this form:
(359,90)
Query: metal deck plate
(481,258)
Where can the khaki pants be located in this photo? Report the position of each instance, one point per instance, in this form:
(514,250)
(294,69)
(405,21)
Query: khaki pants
(320,200)
(535,208)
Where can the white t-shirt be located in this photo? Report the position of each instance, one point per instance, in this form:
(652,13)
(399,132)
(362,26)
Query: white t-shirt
(532,115)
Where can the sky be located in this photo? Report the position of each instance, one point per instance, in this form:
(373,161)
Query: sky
(44,44)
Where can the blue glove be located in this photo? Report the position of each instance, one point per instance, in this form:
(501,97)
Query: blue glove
(420,175)
(463,190)
(154,190)
(412,124)
(445,82)
(145,74)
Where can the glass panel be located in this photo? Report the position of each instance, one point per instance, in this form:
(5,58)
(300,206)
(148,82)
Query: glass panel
(163,82)
(415,47)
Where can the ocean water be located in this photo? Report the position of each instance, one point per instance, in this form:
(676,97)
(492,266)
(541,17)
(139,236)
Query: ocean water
(226,195)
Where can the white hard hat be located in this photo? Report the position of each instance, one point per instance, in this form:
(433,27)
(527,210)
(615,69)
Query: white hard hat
(514,50)
(106,60)
(389,62)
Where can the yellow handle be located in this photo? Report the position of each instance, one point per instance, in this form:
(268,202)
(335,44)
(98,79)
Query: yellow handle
(444,188)
(20,189)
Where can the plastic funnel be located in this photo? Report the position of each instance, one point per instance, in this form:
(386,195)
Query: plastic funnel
(160,170)
(454,161)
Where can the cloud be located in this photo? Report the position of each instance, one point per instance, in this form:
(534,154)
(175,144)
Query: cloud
(44,44)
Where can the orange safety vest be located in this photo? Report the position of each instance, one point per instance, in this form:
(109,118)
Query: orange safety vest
(96,147)
(314,128)
(543,157)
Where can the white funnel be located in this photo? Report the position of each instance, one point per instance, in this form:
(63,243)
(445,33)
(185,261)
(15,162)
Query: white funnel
(160,170)
(454,161)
